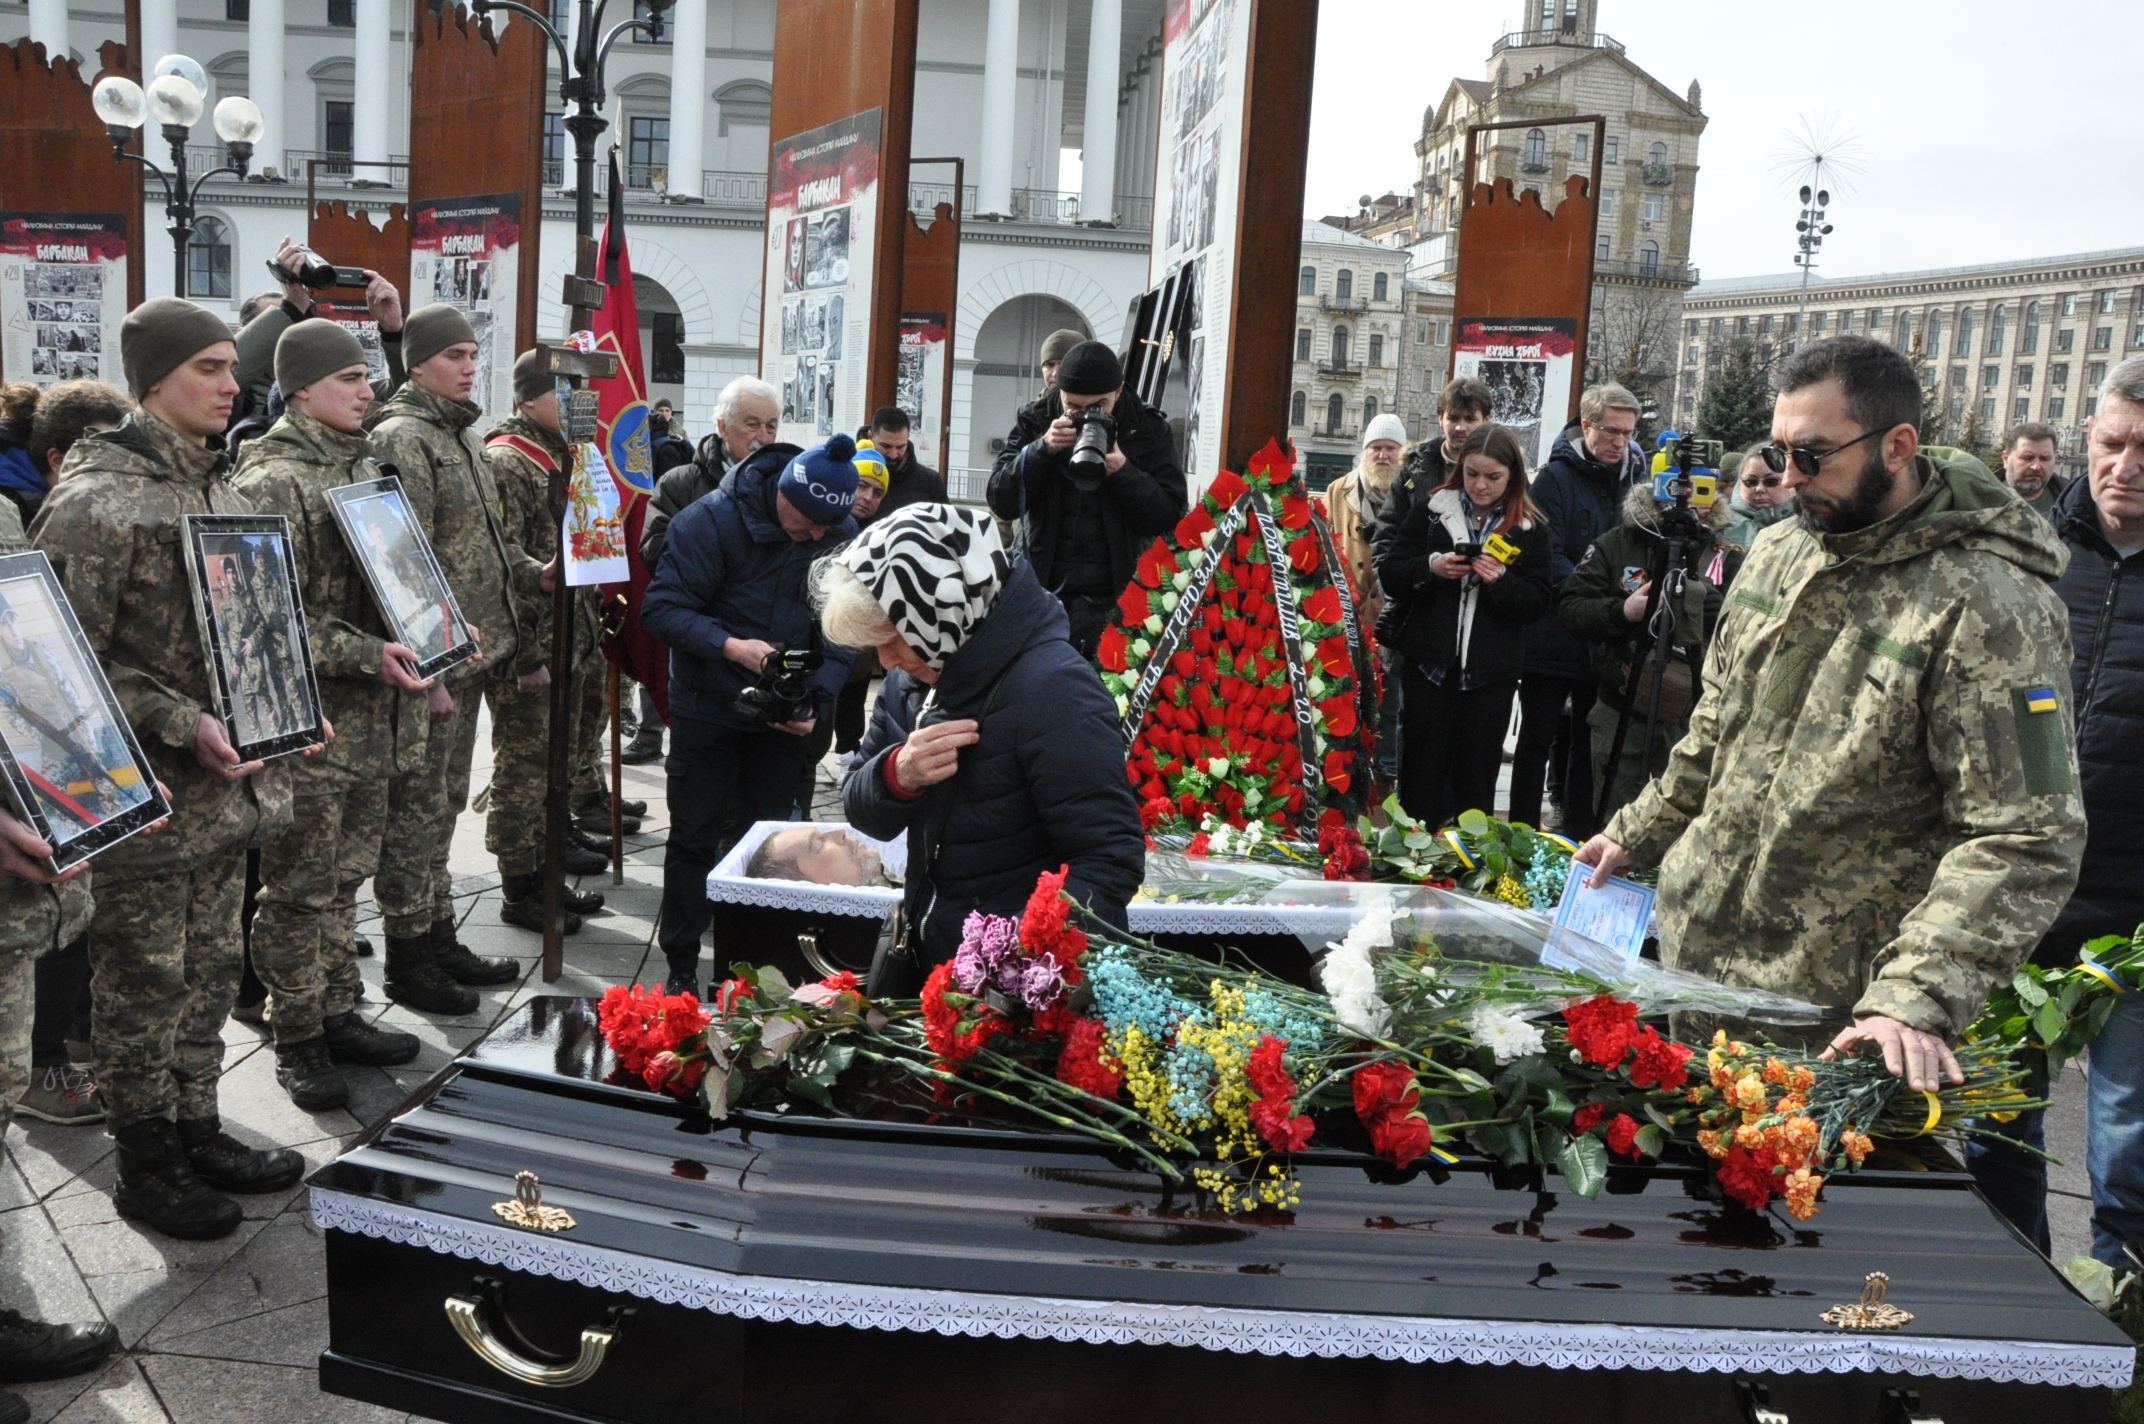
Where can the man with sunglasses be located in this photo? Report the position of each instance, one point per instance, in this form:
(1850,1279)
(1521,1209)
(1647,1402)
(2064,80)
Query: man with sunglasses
(1876,805)
(1761,499)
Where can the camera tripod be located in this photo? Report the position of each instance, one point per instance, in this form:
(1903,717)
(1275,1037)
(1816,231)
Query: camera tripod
(1661,610)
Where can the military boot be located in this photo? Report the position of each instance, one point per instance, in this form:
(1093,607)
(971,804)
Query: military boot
(33,1350)
(351,1040)
(157,1186)
(307,1074)
(580,902)
(462,965)
(413,979)
(523,906)
(597,841)
(577,859)
(222,1161)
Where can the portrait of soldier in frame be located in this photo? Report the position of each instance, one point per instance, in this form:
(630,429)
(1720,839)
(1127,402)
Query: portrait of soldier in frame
(252,619)
(412,594)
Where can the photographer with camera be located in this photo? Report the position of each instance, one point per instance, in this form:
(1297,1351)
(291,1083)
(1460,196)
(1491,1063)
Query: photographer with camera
(1091,476)
(1609,602)
(301,273)
(749,674)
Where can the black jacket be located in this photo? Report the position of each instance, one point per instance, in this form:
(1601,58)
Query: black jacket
(733,572)
(2105,596)
(675,488)
(911,482)
(1043,787)
(1582,498)
(1140,502)
(1421,471)
(1431,631)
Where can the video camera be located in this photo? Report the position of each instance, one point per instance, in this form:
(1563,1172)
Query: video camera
(1686,479)
(1089,459)
(783,692)
(312,272)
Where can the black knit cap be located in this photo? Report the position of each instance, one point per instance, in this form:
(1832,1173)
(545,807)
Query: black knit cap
(1090,369)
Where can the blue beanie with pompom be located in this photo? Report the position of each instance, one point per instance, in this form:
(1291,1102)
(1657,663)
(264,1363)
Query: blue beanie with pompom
(821,482)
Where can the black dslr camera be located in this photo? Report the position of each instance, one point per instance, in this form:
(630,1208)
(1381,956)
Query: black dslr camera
(1088,461)
(783,692)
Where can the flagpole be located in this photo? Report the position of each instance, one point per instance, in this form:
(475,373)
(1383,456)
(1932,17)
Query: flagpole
(581,87)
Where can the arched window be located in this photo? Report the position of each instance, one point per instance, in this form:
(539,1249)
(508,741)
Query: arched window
(1905,331)
(1343,285)
(1335,412)
(1369,411)
(1299,409)
(1302,346)
(1378,288)
(1339,346)
(1965,332)
(1307,283)
(1657,155)
(2031,341)
(1377,349)
(1536,150)
(1996,327)
(208,260)
(1934,344)
(1649,259)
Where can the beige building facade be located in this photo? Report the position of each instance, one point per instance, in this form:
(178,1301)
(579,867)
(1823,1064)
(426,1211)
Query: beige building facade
(1350,344)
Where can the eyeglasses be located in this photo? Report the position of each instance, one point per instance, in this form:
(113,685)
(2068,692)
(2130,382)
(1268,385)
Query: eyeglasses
(1763,482)
(1808,462)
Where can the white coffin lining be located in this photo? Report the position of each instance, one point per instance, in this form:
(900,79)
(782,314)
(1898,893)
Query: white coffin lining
(1552,1344)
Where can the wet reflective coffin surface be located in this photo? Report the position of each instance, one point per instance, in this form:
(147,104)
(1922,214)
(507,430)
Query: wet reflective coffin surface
(773,1269)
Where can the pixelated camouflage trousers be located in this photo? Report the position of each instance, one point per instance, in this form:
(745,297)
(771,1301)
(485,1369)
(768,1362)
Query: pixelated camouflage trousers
(305,936)
(165,958)
(413,885)
(520,743)
(18,1011)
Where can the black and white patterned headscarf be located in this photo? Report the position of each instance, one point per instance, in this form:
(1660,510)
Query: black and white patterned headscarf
(935,569)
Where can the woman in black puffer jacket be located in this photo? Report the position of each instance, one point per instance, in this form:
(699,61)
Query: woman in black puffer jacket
(1465,635)
(994,746)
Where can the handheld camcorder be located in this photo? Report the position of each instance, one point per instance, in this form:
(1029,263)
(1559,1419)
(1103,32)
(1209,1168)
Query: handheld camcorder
(308,270)
(1686,479)
(1088,461)
(783,692)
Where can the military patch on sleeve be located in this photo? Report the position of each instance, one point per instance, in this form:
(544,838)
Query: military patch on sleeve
(2042,740)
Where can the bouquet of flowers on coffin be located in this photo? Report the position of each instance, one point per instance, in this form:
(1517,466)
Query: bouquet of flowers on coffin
(1421,1045)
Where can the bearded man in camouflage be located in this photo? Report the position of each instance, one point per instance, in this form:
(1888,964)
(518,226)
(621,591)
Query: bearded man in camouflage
(424,432)
(304,939)
(1876,805)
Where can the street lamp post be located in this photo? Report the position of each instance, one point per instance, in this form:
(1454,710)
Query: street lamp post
(1812,229)
(175,98)
(580,86)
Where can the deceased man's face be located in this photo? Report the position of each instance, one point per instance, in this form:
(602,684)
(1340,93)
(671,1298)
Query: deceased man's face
(824,855)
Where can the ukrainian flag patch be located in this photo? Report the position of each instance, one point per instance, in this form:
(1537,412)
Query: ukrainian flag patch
(2041,699)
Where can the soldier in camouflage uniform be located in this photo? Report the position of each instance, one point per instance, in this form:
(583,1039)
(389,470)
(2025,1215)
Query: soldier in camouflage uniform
(1876,806)
(305,937)
(423,431)
(164,941)
(522,453)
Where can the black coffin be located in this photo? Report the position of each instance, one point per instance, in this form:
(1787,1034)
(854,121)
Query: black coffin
(779,1270)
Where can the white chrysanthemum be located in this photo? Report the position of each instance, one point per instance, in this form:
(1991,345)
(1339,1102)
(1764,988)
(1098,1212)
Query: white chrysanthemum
(1504,1033)
(1350,978)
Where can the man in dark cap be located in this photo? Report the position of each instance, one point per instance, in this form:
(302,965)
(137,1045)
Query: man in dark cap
(1054,347)
(1084,524)
(164,940)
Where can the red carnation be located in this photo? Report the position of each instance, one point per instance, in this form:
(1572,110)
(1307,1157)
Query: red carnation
(646,1028)
(953,1036)
(1114,650)
(1043,927)
(1386,1095)
(1082,1063)
(1747,1176)
(1660,1062)
(1602,1029)
(1324,605)
(1156,810)
(1622,1134)
(1587,1118)
(1132,604)
(1200,843)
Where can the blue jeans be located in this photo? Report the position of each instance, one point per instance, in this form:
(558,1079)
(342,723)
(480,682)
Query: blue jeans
(2116,1117)
(2013,1181)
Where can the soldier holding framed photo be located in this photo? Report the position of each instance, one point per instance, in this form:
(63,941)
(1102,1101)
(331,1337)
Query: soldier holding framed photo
(253,632)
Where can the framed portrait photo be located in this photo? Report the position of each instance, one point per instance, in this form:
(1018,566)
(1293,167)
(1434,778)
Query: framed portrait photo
(260,660)
(389,545)
(75,774)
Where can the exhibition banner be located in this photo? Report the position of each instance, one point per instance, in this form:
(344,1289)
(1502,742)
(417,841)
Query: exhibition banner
(919,383)
(822,226)
(1527,364)
(63,293)
(466,252)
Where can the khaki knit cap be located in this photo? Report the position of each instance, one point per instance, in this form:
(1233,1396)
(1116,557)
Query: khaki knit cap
(431,330)
(530,379)
(163,334)
(1057,343)
(311,350)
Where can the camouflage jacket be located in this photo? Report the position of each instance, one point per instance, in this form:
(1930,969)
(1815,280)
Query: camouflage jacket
(428,440)
(36,919)
(525,505)
(113,528)
(289,471)
(1876,806)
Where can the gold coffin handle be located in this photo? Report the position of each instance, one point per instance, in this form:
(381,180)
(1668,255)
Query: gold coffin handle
(467,1315)
(808,946)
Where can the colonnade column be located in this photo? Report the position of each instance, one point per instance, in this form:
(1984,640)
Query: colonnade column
(264,82)
(159,33)
(1098,158)
(1001,86)
(688,100)
(375,90)
(48,27)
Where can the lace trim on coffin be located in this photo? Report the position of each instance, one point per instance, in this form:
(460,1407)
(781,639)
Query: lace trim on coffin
(1553,1344)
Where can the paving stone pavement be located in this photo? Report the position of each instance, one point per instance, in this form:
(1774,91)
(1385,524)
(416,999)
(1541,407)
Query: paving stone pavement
(230,1331)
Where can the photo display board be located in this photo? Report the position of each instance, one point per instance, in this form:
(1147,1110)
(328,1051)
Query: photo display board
(75,773)
(466,252)
(1528,365)
(252,618)
(63,293)
(822,235)
(919,384)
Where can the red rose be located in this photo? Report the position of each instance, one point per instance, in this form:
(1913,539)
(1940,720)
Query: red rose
(1132,604)
(1185,663)
(1114,650)
(1622,1134)
(1660,1062)
(1402,1138)
(1382,1088)
(1587,1118)
(1602,1029)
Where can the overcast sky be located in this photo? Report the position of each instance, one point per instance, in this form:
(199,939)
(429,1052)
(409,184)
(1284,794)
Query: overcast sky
(1989,129)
